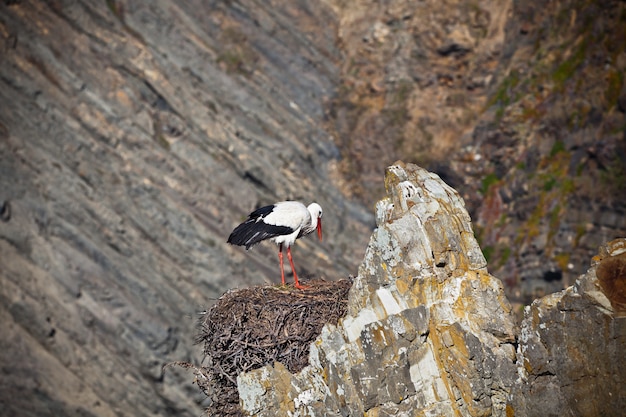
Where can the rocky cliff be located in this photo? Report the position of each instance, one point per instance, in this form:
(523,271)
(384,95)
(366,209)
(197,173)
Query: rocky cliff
(430,332)
(551,145)
(135,135)
(570,356)
(519,105)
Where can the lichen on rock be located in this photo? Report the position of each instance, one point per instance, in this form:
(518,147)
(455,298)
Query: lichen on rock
(427,327)
(428,331)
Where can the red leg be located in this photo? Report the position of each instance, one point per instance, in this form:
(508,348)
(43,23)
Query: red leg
(293,269)
(280,257)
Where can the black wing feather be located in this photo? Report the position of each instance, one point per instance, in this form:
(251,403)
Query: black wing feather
(255,230)
(262,212)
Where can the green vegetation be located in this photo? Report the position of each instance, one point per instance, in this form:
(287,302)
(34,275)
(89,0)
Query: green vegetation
(566,69)
(232,60)
(555,187)
(488,253)
(562,260)
(530,112)
(555,221)
(614,176)
(487,182)
(549,183)
(496,255)
(506,254)
(505,95)
(580,232)
(559,146)
(163,142)
(534,220)
(568,186)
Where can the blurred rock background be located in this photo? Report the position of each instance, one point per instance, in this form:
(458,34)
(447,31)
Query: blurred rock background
(518,105)
(135,135)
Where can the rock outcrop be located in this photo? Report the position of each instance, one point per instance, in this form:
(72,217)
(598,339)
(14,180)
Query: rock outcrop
(571,346)
(430,332)
(427,327)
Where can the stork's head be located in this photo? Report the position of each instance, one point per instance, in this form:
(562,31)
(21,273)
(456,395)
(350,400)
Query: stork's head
(316,217)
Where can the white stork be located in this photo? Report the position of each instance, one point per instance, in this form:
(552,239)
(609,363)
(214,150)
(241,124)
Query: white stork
(283,222)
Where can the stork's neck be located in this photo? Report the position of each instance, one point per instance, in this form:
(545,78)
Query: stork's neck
(309,228)
(314,212)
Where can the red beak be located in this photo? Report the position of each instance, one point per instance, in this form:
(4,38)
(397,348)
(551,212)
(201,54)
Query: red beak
(319,228)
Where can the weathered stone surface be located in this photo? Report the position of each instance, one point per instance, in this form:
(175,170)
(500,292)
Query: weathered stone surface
(428,331)
(570,357)
(134,135)
(415,78)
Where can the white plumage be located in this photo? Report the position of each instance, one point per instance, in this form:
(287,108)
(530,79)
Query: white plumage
(283,223)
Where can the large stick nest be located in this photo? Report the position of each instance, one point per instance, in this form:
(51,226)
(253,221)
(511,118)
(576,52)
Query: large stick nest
(249,328)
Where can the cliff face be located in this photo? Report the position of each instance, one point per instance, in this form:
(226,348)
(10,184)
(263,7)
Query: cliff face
(518,105)
(430,332)
(133,137)
(547,155)
(415,80)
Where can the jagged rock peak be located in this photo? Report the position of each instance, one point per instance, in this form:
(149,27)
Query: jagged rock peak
(427,327)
